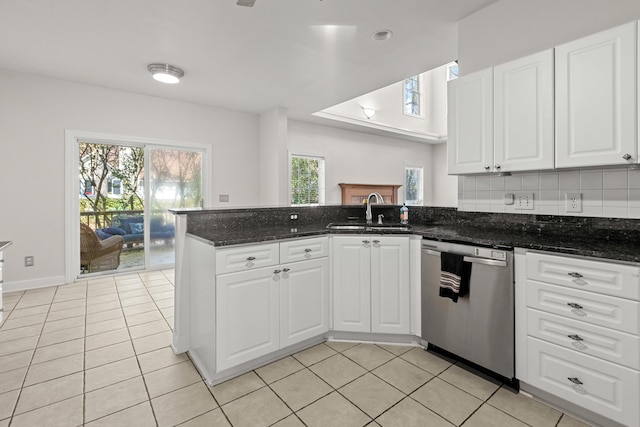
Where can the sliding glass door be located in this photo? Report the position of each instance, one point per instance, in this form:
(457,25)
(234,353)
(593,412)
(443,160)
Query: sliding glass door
(175,181)
(125,193)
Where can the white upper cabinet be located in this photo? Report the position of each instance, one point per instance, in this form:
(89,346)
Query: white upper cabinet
(596,107)
(523,114)
(470,123)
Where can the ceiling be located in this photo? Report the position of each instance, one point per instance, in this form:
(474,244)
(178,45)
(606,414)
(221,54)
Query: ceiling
(303,55)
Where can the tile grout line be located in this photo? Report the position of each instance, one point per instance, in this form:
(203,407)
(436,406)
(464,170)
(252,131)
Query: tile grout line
(15,405)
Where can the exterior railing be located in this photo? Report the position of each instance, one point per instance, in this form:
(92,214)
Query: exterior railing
(103,218)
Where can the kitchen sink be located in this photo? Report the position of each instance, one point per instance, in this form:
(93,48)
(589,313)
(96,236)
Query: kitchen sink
(370,227)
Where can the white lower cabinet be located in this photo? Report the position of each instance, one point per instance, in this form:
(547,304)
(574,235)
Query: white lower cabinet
(247,316)
(371,290)
(577,341)
(263,310)
(606,388)
(304,301)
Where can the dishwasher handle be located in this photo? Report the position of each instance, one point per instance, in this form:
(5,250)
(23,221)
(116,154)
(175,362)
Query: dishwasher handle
(485,261)
(430,252)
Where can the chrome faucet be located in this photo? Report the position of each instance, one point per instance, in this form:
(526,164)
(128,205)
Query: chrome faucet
(379,200)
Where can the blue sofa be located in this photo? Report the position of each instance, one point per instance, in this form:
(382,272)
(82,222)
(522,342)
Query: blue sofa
(131,228)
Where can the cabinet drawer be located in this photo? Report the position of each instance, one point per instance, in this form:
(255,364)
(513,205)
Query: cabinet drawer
(246,258)
(300,250)
(617,313)
(606,388)
(608,344)
(618,280)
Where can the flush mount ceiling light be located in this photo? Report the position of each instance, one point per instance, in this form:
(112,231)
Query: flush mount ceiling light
(368,112)
(382,35)
(165,73)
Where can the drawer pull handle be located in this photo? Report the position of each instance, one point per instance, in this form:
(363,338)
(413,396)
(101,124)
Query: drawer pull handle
(286,270)
(277,271)
(1,261)
(575,380)
(574,305)
(366,242)
(576,275)
(576,337)
(376,242)
(307,250)
(251,258)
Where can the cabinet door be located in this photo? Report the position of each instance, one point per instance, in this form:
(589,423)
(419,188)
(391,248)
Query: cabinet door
(304,300)
(351,283)
(390,308)
(470,123)
(247,316)
(596,99)
(523,113)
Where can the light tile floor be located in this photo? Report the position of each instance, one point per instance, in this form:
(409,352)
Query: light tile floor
(97,353)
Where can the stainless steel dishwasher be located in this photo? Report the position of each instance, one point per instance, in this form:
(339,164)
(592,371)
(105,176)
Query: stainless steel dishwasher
(479,327)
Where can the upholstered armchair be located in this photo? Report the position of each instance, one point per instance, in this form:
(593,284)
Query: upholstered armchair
(96,254)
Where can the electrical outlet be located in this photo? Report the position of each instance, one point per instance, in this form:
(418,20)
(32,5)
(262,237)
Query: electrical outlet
(293,216)
(29,261)
(523,201)
(223,198)
(573,202)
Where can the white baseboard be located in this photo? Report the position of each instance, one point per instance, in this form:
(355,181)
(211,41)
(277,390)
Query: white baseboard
(24,285)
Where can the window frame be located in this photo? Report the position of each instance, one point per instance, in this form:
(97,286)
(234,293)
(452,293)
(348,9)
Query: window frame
(420,92)
(413,202)
(321,179)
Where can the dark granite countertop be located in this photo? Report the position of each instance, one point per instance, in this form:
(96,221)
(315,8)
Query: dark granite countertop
(4,245)
(628,251)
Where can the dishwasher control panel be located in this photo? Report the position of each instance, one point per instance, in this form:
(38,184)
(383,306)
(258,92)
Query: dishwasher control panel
(490,253)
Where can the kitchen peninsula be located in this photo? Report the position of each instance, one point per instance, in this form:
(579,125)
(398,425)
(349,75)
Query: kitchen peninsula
(254,285)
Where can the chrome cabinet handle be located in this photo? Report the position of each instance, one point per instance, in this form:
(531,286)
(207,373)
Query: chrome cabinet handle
(285,270)
(576,275)
(375,242)
(627,156)
(487,167)
(251,258)
(307,250)
(576,337)
(277,271)
(575,380)
(498,167)
(366,242)
(574,305)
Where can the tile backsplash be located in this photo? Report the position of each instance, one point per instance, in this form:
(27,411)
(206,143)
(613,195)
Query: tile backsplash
(606,192)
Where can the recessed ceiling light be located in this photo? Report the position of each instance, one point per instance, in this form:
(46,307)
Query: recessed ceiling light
(382,35)
(165,73)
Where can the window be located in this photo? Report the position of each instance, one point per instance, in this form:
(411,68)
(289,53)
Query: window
(412,96)
(413,194)
(452,71)
(307,180)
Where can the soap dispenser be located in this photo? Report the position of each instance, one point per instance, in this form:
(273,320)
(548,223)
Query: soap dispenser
(404,214)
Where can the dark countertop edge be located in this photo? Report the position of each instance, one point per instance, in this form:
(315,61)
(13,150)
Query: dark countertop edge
(4,244)
(444,234)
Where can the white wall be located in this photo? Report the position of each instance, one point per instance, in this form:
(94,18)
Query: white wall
(358,158)
(274,161)
(510,29)
(388,103)
(445,187)
(34,113)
